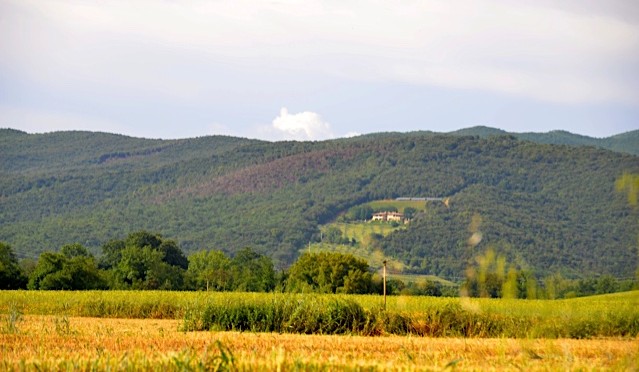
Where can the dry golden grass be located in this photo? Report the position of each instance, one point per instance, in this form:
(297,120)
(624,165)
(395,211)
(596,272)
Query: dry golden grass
(58,342)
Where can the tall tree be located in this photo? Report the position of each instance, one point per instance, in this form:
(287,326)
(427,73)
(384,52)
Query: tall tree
(144,261)
(49,263)
(173,255)
(59,272)
(329,273)
(210,270)
(75,250)
(143,239)
(252,271)
(111,254)
(143,268)
(11,274)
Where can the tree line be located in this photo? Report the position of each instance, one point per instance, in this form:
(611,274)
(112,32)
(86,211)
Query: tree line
(146,261)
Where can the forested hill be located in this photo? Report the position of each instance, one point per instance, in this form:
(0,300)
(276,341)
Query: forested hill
(549,208)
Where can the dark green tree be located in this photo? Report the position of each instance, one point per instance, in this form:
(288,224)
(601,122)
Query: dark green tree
(143,268)
(143,239)
(360,213)
(144,261)
(49,263)
(329,273)
(252,272)
(333,235)
(58,272)
(111,254)
(409,212)
(606,284)
(11,274)
(173,255)
(75,250)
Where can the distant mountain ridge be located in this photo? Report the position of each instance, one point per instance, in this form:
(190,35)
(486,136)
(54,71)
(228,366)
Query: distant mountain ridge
(551,208)
(625,142)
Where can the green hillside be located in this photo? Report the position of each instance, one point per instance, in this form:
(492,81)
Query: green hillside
(551,208)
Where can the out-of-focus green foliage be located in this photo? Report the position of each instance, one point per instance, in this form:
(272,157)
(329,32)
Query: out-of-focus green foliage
(629,185)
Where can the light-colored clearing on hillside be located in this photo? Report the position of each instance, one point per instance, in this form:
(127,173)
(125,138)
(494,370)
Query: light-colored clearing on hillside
(362,233)
(58,342)
(419,205)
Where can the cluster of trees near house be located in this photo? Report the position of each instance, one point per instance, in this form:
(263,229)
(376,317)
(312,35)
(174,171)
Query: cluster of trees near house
(146,261)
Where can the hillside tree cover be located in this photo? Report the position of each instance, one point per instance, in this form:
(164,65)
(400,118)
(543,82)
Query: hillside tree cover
(548,208)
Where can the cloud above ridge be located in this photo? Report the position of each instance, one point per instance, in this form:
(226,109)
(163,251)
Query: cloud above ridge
(172,68)
(302,126)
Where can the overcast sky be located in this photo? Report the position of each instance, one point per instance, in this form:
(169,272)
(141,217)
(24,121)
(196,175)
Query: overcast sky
(318,69)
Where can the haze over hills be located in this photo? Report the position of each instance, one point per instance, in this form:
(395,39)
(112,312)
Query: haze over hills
(546,201)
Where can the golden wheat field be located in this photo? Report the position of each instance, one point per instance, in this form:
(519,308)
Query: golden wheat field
(75,343)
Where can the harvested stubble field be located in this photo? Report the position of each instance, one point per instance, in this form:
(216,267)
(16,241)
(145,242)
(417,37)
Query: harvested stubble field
(62,343)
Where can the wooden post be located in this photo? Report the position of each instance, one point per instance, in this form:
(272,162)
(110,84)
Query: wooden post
(384,285)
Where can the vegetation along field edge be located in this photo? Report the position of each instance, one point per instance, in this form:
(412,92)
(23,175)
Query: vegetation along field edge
(615,315)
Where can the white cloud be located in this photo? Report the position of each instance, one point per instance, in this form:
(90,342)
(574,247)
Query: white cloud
(352,134)
(303,126)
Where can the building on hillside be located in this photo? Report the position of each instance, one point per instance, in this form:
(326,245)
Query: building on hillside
(388,217)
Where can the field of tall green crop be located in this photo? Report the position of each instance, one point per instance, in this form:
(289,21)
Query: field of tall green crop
(599,316)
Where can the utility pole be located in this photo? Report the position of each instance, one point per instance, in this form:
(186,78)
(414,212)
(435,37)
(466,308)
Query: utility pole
(384,285)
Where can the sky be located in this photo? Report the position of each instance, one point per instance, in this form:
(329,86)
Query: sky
(315,70)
